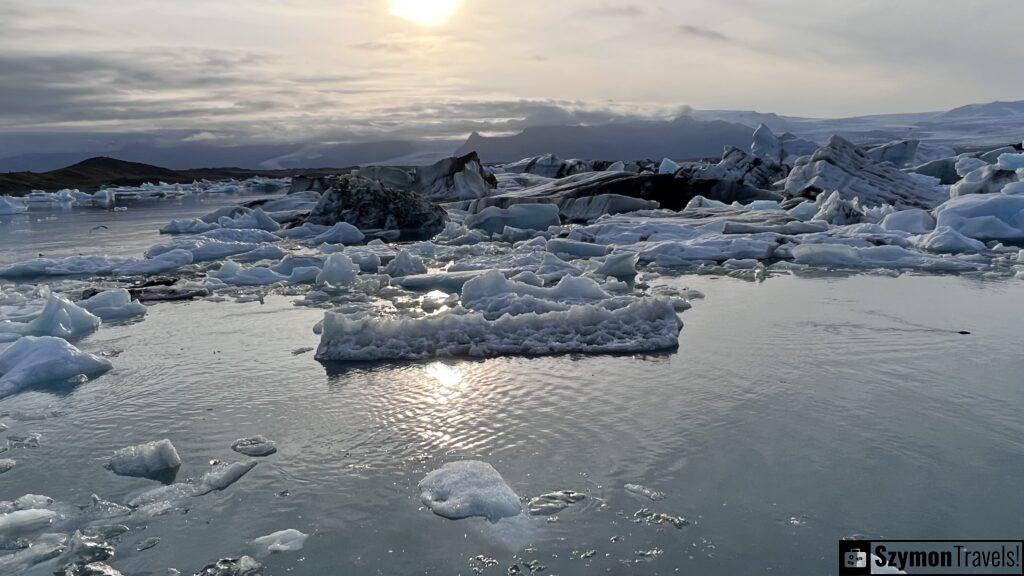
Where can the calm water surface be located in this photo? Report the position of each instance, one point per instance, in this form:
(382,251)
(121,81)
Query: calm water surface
(795,412)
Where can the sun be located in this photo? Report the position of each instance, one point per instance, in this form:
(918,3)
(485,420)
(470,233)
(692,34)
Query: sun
(425,12)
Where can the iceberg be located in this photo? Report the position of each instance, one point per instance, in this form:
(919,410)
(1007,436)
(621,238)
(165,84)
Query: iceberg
(145,460)
(947,241)
(645,325)
(469,488)
(39,360)
(235,274)
(10,206)
(341,233)
(668,166)
(113,305)
(256,219)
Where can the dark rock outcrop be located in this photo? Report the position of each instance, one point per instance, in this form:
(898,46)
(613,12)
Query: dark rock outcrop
(369,205)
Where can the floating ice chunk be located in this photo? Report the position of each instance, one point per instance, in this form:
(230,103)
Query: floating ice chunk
(10,206)
(495,296)
(554,502)
(202,249)
(469,488)
(188,226)
(70,266)
(284,541)
(235,274)
(617,166)
(145,460)
(619,265)
(643,326)
(984,216)
(340,233)
(6,465)
(21,522)
(257,219)
(220,477)
(836,210)
(804,211)
(1010,161)
(244,566)
(339,270)
(59,317)
(699,201)
(493,220)
(405,264)
(890,257)
(43,548)
(947,241)
(113,305)
(574,249)
(913,221)
(446,281)
(668,166)
(255,446)
(247,236)
(762,205)
(645,492)
(1014,188)
(33,502)
(988,179)
(264,252)
(303,232)
(165,262)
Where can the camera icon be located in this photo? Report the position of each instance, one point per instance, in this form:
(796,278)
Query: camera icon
(855,559)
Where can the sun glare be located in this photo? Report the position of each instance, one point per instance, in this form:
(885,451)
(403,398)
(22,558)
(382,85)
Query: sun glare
(425,12)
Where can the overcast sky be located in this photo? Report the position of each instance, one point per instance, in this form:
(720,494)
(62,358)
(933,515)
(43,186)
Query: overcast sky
(349,69)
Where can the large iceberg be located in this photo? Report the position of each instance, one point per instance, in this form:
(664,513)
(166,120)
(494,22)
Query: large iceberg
(984,216)
(466,489)
(31,361)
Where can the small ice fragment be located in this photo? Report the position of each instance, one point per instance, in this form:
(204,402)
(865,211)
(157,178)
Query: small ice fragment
(649,555)
(254,446)
(33,502)
(648,516)
(145,460)
(24,521)
(645,492)
(290,540)
(6,465)
(338,270)
(109,509)
(405,264)
(554,502)
(244,566)
(147,544)
(468,488)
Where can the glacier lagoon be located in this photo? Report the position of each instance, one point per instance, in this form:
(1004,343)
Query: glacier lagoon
(796,411)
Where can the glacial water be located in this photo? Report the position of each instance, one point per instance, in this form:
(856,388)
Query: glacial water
(796,412)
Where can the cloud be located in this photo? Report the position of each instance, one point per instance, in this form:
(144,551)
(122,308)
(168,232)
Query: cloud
(701,32)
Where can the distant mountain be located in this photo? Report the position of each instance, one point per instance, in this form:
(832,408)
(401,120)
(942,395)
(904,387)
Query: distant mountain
(682,138)
(990,110)
(93,173)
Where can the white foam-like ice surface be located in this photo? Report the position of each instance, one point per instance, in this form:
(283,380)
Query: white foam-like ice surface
(290,540)
(38,360)
(643,326)
(469,488)
(113,305)
(59,317)
(145,460)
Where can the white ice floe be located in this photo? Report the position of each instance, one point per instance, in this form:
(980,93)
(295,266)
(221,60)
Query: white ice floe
(113,305)
(494,295)
(256,219)
(70,266)
(946,240)
(235,274)
(264,252)
(619,265)
(643,326)
(188,226)
(165,262)
(22,522)
(202,249)
(984,216)
(893,257)
(405,264)
(913,221)
(493,219)
(341,233)
(255,446)
(59,317)
(1010,161)
(290,540)
(219,477)
(6,465)
(574,249)
(339,270)
(31,361)
(466,489)
(145,460)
